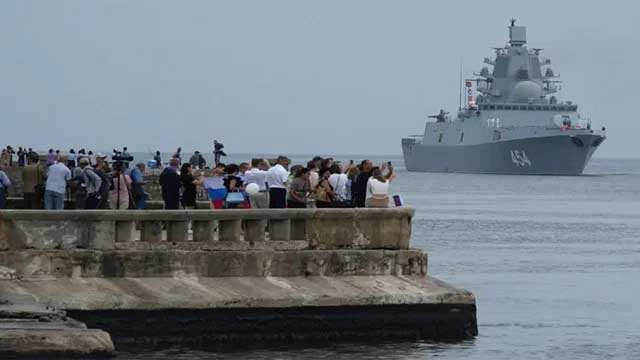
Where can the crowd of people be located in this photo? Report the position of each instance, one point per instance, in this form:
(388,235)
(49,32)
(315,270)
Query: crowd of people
(262,184)
(91,180)
(95,182)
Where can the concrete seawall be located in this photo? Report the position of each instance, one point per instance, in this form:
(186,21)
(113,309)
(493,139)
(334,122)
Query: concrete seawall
(233,275)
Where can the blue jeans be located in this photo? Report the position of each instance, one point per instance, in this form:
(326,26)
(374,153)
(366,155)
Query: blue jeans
(141,204)
(53,200)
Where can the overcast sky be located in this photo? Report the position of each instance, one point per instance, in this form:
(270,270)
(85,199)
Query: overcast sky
(290,76)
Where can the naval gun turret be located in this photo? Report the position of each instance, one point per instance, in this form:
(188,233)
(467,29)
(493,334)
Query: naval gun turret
(440,117)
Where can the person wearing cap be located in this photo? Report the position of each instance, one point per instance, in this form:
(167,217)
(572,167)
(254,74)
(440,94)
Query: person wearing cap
(92,183)
(170,183)
(277,177)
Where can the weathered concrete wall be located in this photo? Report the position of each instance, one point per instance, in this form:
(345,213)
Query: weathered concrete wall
(222,276)
(118,263)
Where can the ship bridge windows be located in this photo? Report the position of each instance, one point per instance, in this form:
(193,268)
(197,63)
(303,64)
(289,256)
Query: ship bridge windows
(548,107)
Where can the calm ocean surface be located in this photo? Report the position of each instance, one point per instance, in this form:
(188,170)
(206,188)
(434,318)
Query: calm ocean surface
(553,261)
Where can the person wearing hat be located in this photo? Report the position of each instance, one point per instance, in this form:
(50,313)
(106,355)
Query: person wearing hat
(277,177)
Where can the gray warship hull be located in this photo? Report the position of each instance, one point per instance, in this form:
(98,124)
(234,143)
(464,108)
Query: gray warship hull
(543,155)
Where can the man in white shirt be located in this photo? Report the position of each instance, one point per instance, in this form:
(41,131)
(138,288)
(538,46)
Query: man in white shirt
(57,176)
(277,178)
(257,175)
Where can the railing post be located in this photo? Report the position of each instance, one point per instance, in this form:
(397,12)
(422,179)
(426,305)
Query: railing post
(230,230)
(151,231)
(177,230)
(280,229)
(203,230)
(124,230)
(255,230)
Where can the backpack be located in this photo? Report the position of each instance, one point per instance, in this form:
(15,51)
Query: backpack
(106,183)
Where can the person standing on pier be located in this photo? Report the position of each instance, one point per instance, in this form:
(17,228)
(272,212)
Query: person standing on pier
(170,184)
(300,190)
(197,161)
(32,181)
(57,176)
(92,184)
(102,170)
(120,195)
(51,158)
(4,185)
(214,186)
(71,159)
(188,200)
(22,156)
(359,185)
(137,187)
(4,158)
(338,181)
(217,151)
(277,177)
(178,155)
(257,174)
(378,187)
(158,160)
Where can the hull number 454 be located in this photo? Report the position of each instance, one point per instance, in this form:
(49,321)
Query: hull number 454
(519,157)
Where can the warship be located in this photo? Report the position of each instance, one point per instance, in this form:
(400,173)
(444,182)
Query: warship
(511,122)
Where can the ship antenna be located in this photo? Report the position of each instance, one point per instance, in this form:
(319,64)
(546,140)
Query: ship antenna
(460,87)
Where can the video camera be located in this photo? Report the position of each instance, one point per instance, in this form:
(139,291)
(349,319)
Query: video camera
(117,156)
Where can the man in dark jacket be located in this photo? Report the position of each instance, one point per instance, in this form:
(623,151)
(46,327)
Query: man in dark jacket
(217,151)
(359,186)
(170,183)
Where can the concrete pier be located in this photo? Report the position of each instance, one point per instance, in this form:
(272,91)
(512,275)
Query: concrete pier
(220,276)
(28,328)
